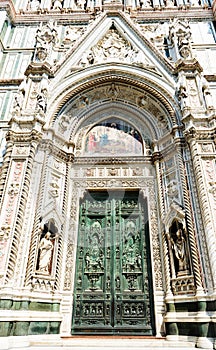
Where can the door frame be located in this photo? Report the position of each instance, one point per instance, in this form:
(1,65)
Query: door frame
(86,176)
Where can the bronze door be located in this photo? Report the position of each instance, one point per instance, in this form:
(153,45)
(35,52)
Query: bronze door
(113,288)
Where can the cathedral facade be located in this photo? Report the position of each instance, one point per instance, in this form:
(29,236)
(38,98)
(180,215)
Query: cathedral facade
(108,177)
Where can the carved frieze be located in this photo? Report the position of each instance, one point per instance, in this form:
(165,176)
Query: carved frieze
(21,150)
(206,147)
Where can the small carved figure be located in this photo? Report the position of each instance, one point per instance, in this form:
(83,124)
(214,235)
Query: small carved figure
(17,105)
(64,122)
(45,253)
(42,100)
(206,93)
(131,256)
(81,4)
(57,5)
(208,99)
(34,5)
(180,35)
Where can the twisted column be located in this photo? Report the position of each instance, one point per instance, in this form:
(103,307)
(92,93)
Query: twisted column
(37,223)
(190,225)
(5,168)
(63,229)
(156,158)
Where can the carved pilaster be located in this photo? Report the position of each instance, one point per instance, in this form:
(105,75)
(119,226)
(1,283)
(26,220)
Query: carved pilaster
(207,215)
(15,197)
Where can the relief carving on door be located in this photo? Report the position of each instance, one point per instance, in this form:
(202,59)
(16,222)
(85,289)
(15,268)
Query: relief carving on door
(113,289)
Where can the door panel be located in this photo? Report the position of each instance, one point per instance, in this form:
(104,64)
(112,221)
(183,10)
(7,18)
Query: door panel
(113,290)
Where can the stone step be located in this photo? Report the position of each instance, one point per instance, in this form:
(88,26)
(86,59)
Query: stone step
(54,342)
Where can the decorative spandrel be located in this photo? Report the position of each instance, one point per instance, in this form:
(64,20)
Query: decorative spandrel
(113,292)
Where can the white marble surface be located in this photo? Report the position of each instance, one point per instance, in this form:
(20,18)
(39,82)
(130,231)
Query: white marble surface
(51,342)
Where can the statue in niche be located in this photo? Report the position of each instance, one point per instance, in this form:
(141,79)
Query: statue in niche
(45,253)
(17,104)
(180,252)
(206,93)
(182,91)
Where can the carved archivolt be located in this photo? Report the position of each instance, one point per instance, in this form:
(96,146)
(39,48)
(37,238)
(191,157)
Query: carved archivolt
(112,100)
(145,92)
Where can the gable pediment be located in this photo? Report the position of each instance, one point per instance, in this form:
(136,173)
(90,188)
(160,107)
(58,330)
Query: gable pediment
(114,39)
(113,47)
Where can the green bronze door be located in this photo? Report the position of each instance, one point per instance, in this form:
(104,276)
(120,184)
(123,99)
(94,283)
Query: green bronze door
(113,289)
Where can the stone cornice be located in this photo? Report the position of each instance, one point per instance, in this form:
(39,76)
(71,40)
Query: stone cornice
(10,82)
(55,150)
(196,134)
(63,16)
(157,156)
(188,65)
(24,137)
(39,68)
(210,78)
(190,14)
(111,161)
